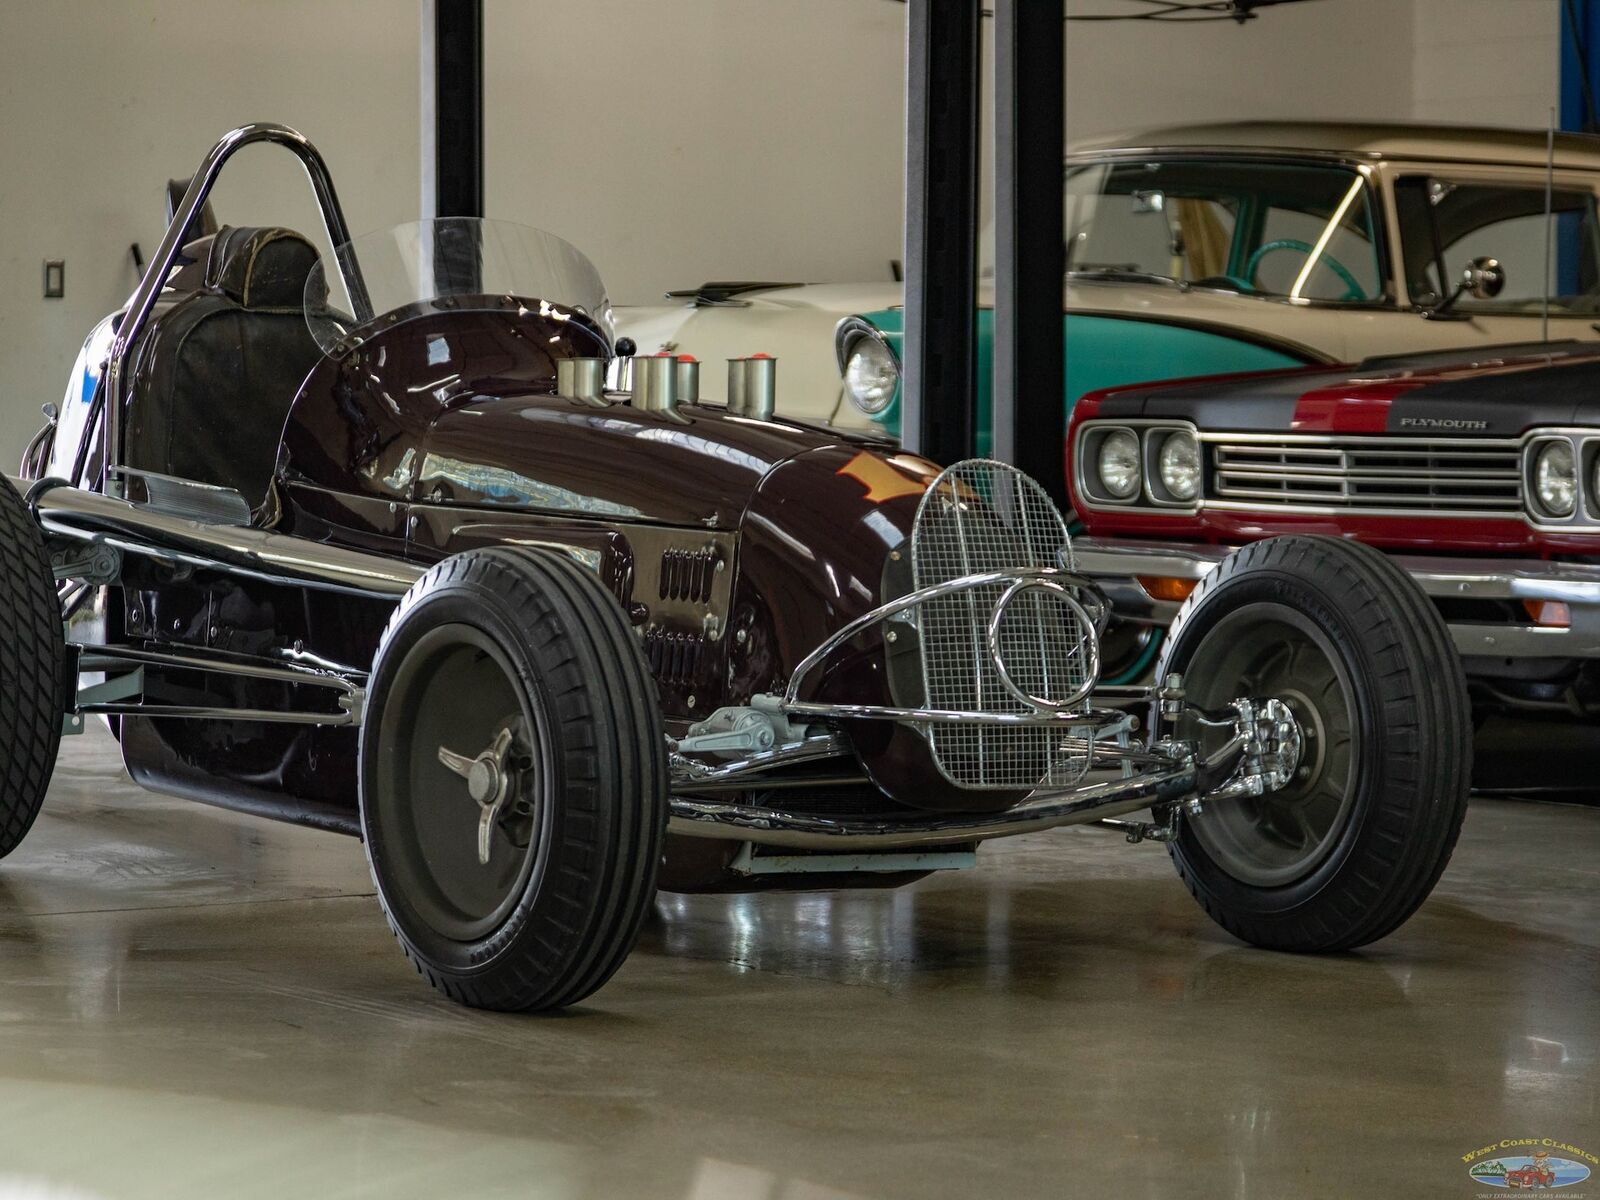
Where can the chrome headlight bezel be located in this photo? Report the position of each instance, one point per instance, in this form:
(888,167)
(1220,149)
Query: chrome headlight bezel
(1552,478)
(1184,480)
(1087,483)
(856,336)
(1125,444)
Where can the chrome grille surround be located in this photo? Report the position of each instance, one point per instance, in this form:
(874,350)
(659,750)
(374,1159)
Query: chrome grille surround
(1400,475)
(1006,647)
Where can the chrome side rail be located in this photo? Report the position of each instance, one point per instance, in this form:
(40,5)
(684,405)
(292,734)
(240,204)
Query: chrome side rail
(108,699)
(236,550)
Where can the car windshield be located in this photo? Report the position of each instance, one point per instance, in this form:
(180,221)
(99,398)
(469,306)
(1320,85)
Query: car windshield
(465,261)
(1446,223)
(1299,231)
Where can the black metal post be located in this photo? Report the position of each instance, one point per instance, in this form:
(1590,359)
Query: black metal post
(1029,350)
(452,108)
(938,396)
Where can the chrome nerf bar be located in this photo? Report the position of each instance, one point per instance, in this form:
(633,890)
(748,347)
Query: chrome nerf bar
(274,557)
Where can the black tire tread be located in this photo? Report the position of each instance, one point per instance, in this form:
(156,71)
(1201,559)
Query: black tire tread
(1427,718)
(613,745)
(32,687)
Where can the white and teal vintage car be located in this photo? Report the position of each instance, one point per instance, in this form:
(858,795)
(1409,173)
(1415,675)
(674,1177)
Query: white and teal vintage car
(1222,248)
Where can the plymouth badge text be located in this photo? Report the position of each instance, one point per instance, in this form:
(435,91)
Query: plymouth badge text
(1440,423)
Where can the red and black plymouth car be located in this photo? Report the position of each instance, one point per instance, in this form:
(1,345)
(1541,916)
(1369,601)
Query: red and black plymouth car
(1478,472)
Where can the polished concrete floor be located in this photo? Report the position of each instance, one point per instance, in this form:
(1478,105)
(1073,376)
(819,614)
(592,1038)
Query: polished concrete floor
(197,1004)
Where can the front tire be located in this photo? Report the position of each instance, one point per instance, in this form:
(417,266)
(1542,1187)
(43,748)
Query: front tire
(1347,851)
(32,688)
(513,780)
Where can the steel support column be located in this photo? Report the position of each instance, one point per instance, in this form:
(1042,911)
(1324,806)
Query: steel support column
(1029,354)
(938,395)
(452,108)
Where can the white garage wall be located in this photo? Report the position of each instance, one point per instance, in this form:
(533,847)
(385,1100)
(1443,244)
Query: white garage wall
(100,102)
(1332,58)
(701,139)
(1488,62)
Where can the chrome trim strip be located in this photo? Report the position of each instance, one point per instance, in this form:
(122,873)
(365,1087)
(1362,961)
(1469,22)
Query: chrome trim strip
(1379,440)
(254,553)
(185,712)
(1347,510)
(1523,641)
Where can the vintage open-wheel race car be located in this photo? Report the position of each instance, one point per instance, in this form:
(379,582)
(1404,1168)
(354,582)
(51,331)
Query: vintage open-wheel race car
(369,544)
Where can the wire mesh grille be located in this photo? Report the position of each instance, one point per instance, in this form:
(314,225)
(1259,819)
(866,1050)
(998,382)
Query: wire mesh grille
(986,516)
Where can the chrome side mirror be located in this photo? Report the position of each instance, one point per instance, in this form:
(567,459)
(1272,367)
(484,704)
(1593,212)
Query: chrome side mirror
(1484,278)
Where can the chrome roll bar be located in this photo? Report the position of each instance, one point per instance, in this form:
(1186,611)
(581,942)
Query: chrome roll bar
(114,383)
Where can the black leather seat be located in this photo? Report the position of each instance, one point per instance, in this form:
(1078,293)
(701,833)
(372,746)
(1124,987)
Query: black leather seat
(219,368)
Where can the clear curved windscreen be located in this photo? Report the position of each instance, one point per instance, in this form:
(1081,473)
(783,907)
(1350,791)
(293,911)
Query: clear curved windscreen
(470,261)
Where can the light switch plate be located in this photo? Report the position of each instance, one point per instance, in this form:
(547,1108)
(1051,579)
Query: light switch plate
(55,278)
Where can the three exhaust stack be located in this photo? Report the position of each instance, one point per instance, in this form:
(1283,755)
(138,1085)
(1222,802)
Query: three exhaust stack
(660,383)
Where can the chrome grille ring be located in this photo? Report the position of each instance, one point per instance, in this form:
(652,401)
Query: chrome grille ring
(1013,646)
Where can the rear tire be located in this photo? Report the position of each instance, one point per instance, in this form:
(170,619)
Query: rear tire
(32,688)
(523,651)
(1349,849)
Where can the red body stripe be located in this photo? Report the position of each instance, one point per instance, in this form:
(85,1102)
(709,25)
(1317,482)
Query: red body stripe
(1349,407)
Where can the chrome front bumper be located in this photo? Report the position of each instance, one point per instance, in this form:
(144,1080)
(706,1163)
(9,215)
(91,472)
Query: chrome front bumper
(1116,564)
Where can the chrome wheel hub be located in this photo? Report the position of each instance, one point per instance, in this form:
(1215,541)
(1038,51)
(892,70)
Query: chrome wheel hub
(489,781)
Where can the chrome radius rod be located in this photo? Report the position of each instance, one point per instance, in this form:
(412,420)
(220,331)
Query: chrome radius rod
(1181,779)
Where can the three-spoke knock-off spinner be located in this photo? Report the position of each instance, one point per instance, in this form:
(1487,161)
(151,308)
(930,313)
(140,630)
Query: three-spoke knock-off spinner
(492,777)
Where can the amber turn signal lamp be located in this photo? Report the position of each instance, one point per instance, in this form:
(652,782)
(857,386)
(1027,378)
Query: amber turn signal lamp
(1552,614)
(1163,587)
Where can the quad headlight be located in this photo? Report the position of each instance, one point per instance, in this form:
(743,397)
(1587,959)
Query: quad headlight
(1555,479)
(1152,463)
(1118,465)
(1178,465)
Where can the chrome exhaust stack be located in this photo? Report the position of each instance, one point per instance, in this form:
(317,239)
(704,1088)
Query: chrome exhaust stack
(582,379)
(655,385)
(688,379)
(753,386)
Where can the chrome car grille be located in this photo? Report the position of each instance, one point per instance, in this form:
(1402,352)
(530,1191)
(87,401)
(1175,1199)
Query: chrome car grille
(1479,476)
(984,516)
